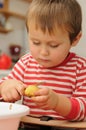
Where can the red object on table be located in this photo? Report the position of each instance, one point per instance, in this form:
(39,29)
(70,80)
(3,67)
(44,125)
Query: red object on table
(5,61)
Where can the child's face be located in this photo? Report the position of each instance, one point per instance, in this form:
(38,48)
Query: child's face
(48,50)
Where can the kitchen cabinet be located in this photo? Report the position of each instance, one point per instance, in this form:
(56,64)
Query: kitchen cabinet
(7,13)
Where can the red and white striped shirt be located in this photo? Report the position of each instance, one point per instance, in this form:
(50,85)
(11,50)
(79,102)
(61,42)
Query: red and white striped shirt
(69,79)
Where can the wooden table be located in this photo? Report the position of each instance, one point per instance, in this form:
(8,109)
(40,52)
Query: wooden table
(55,123)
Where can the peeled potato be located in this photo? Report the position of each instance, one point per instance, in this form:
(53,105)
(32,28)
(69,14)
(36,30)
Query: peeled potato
(29,91)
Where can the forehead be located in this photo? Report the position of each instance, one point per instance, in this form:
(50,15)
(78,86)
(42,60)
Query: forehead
(52,30)
(35,32)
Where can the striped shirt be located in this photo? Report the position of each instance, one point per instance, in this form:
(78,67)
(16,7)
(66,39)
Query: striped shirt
(68,78)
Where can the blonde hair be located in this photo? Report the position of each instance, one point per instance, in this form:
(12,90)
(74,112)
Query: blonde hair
(51,14)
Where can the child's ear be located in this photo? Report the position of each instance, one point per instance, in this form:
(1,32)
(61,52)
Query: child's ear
(77,38)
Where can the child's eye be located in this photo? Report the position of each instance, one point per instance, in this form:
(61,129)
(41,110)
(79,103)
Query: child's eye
(54,45)
(36,43)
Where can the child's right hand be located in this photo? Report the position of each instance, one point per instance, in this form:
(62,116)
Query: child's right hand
(11,90)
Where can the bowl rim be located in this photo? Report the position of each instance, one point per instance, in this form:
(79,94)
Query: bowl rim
(14,114)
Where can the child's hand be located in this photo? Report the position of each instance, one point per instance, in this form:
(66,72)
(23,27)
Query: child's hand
(48,99)
(11,90)
(45,98)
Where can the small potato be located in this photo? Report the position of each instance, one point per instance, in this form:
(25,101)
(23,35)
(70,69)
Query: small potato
(29,91)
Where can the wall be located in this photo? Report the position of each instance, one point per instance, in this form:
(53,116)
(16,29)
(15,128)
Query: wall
(19,34)
(81,47)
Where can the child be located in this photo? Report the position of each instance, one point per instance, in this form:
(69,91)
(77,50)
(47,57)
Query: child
(54,27)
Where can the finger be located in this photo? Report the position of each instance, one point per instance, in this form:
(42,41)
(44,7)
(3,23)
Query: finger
(15,95)
(42,91)
(11,96)
(43,106)
(20,89)
(7,98)
(40,99)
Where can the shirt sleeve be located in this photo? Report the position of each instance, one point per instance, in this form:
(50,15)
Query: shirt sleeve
(75,107)
(78,99)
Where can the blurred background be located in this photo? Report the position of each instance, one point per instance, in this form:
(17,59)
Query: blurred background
(80,49)
(13,39)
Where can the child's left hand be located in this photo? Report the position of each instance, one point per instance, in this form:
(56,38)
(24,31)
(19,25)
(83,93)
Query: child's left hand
(46,98)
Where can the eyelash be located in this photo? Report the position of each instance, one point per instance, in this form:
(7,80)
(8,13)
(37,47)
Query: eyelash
(54,46)
(38,43)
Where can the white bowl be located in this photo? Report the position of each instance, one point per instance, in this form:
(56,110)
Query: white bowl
(10,115)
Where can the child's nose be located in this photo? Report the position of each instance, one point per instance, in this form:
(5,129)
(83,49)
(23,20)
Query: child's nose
(44,51)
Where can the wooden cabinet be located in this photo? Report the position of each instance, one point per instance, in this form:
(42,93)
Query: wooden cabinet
(5,11)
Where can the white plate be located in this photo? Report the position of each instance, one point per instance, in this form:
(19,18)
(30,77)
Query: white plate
(9,110)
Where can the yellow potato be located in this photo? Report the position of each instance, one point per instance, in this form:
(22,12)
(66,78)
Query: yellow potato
(29,91)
